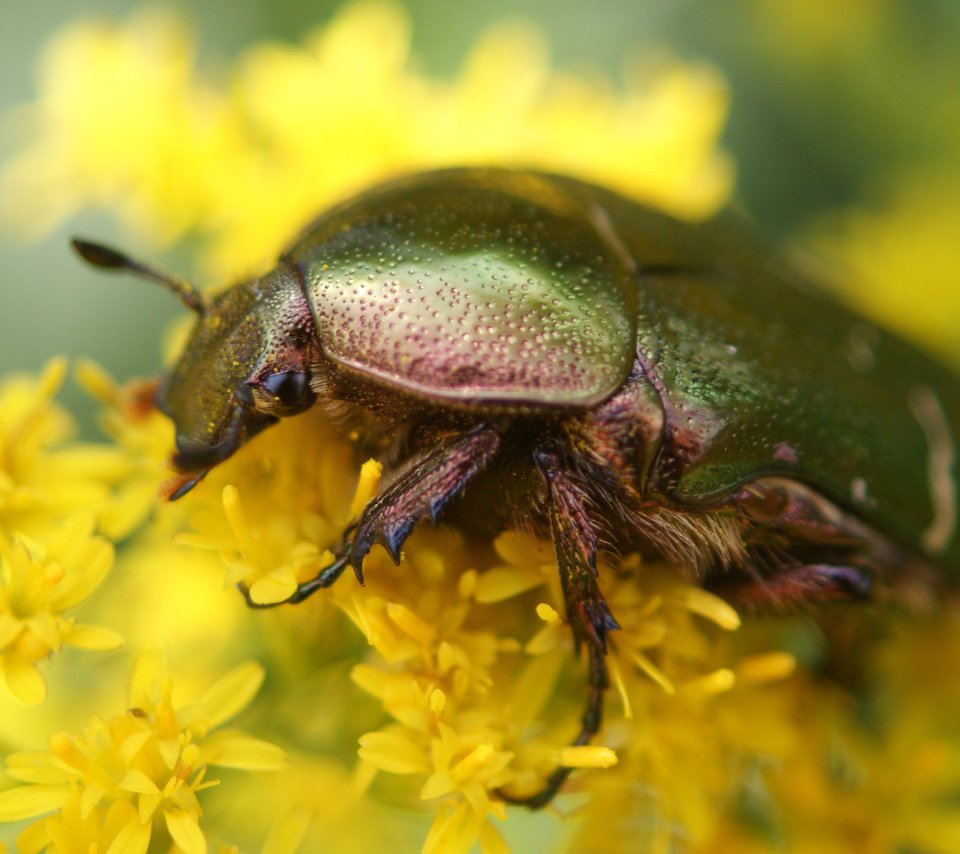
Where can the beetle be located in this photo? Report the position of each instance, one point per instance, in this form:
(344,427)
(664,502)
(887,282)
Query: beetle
(622,379)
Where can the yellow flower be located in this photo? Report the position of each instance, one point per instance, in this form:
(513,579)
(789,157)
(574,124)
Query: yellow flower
(38,585)
(46,475)
(141,441)
(138,773)
(143,71)
(42,477)
(449,631)
(306,126)
(273,517)
(907,243)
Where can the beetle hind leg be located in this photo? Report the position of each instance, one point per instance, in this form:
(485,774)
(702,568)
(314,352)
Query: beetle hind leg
(801,549)
(575,542)
(793,586)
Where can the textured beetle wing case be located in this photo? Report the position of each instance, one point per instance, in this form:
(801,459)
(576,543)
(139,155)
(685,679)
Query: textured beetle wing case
(774,377)
(479,286)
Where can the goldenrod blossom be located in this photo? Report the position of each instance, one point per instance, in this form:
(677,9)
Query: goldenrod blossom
(139,772)
(42,476)
(141,439)
(305,126)
(38,585)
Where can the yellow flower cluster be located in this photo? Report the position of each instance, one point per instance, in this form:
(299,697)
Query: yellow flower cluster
(405,706)
(466,650)
(50,558)
(106,786)
(38,587)
(127,123)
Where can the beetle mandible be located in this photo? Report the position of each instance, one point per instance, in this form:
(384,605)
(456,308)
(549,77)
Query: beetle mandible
(598,366)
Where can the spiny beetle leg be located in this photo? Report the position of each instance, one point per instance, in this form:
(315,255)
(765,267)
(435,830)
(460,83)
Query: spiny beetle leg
(589,726)
(816,552)
(323,579)
(421,492)
(795,586)
(575,542)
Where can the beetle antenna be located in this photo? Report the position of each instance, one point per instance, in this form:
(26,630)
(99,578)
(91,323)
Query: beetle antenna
(106,258)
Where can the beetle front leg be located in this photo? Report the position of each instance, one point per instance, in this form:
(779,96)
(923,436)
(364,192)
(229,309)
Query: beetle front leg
(323,579)
(575,542)
(420,492)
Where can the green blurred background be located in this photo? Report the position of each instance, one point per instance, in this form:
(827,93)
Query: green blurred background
(828,102)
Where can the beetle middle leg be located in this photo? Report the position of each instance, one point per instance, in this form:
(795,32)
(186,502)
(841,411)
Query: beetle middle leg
(575,543)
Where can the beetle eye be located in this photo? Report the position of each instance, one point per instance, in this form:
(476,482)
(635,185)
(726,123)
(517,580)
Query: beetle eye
(286,393)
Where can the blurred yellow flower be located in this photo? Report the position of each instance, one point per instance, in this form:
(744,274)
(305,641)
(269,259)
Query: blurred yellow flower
(140,444)
(41,476)
(900,249)
(125,122)
(808,32)
(38,584)
(138,773)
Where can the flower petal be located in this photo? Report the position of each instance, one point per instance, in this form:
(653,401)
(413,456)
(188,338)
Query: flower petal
(23,680)
(46,629)
(452,832)
(274,587)
(491,842)
(234,749)
(38,766)
(393,752)
(10,627)
(706,604)
(136,781)
(505,582)
(92,637)
(27,801)
(232,693)
(287,834)
(133,838)
(437,784)
(588,756)
(96,560)
(185,831)
(368,482)
(33,840)
(92,795)
(147,805)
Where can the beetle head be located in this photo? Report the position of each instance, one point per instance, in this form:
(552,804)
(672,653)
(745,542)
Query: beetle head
(246,364)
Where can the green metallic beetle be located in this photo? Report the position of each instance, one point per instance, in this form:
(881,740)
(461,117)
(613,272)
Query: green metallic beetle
(619,379)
